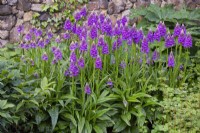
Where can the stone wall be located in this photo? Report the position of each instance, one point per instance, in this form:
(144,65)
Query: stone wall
(17,12)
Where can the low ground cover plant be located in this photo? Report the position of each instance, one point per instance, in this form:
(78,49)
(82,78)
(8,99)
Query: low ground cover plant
(94,77)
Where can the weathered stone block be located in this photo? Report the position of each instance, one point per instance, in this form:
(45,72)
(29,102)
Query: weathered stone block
(4,34)
(92,6)
(23,5)
(28,16)
(7,22)
(12,2)
(103,4)
(5,10)
(37,7)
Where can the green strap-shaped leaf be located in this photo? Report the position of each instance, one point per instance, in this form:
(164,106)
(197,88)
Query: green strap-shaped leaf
(97,129)
(81,124)
(54,112)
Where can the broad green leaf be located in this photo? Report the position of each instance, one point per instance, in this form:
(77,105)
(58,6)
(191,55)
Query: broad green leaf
(126,118)
(71,118)
(119,126)
(81,124)
(44,83)
(97,129)
(3,103)
(54,112)
(8,105)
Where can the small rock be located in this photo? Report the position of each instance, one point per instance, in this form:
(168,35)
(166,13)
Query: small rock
(12,2)
(111,8)
(28,16)
(3,43)
(126,13)
(23,5)
(3,2)
(128,5)
(14,35)
(14,10)
(20,14)
(7,22)
(4,34)
(27,27)
(103,4)
(92,6)
(119,6)
(5,10)
(37,7)
(19,22)
(44,17)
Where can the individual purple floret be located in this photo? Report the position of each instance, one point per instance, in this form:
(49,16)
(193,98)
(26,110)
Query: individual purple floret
(181,38)
(145,46)
(162,29)
(81,62)
(67,72)
(150,36)
(77,16)
(140,36)
(155,55)
(74,70)
(177,30)
(156,35)
(171,61)
(93,32)
(50,35)
(57,54)
(105,49)
(87,89)
(32,62)
(126,33)
(41,43)
(123,64)
(101,18)
(73,57)
(44,57)
(33,45)
(83,46)
(32,30)
(83,12)
(20,28)
(114,46)
(169,41)
(124,20)
(109,83)
(93,51)
(68,25)
(28,37)
(98,63)
(74,28)
(66,36)
(47,41)
(38,32)
(181,67)
(188,41)
(73,46)
(116,30)
(101,41)
(57,40)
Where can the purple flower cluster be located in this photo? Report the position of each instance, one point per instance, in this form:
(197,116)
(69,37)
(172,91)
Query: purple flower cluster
(171,61)
(98,63)
(57,54)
